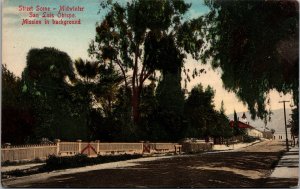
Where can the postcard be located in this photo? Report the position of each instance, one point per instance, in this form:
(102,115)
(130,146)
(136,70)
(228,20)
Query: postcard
(150,93)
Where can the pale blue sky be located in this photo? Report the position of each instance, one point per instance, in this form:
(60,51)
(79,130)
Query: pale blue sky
(73,39)
(17,40)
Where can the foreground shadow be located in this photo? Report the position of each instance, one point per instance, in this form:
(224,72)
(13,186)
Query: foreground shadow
(230,169)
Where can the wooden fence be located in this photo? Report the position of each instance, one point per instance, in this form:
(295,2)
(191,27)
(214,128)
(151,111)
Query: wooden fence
(195,147)
(27,152)
(31,152)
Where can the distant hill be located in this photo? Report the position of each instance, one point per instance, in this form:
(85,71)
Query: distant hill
(277,120)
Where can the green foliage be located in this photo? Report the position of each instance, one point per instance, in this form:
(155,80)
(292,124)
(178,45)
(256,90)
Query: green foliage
(48,65)
(236,130)
(80,160)
(57,112)
(107,89)
(222,109)
(136,37)
(202,120)
(294,122)
(18,118)
(169,93)
(255,43)
(170,100)
(249,139)
(86,69)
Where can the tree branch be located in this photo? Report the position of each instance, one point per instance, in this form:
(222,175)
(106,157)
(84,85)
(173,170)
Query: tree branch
(147,75)
(123,72)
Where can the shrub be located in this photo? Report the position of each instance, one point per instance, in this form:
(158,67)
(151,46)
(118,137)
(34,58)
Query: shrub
(55,162)
(248,139)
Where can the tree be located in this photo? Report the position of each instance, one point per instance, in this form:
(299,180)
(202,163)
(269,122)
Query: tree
(294,122)
(222,109)
(107,88)
(236,129)
(220,128)
(255,43)
(236,124)
(87,71)
(130,36)
(46,79)
(170,99)
(18,119)
(199,112)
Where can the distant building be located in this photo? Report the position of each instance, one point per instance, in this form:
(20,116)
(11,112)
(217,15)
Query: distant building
(280,135)
(250,130)
(267,134)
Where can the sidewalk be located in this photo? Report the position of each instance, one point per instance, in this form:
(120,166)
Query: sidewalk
(20,167)
(286,173)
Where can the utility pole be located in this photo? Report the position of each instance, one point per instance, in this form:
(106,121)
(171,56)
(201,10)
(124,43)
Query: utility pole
(286,137)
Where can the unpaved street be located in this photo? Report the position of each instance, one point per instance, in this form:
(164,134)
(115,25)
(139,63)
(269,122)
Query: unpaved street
(248,167)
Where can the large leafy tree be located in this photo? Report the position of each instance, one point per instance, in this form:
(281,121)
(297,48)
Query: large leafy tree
(170,108)
(46,82)
(202,119)
(84,85)
(107,89)
(255,43)
(199,111)
(169,93)
(130,36)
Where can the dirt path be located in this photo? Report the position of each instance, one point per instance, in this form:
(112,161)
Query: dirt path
(247,167)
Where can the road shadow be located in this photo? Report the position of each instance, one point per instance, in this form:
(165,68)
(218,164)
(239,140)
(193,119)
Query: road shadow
(281,183)
(230,169)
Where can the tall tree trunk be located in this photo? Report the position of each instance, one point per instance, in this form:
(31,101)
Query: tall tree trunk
(135,101)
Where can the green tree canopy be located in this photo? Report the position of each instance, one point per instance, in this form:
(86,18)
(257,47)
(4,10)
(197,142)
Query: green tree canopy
(199,111)
(255,43)
(45,82)
(131,35)
(18,119)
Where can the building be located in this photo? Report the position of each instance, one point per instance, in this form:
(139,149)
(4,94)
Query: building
(250,130)
(280,135)
(267,134)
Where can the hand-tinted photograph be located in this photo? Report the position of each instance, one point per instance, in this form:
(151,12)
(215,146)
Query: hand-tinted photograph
(150,93)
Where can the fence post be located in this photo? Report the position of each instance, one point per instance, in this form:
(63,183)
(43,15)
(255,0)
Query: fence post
(57,141)
(98,149)
(79,146)
(33,153)
(142,142)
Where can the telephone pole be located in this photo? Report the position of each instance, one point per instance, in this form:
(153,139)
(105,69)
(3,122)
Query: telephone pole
(286,137)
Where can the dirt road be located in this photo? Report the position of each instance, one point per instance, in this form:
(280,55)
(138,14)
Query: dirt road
(247,167)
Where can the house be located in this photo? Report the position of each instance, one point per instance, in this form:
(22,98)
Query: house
(251,131)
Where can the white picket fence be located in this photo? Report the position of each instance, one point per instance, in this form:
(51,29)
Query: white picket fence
(31,152)
(27,152)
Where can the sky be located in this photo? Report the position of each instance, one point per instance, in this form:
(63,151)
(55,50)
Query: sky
(17,40)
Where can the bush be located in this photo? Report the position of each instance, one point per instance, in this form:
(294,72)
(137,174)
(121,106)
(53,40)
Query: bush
(248,139)
(55,162)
